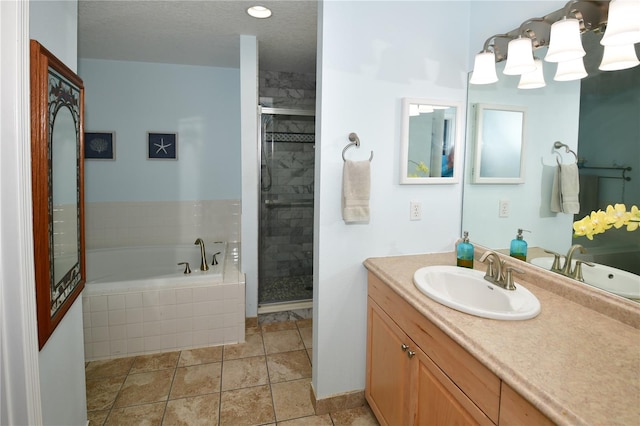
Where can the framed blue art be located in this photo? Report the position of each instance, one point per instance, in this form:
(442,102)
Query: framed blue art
(162,146)
(99,145)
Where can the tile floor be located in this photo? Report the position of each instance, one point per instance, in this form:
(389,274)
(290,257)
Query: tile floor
(264,381)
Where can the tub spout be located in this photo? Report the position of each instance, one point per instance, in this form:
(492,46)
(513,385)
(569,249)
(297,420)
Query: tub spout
(203,256)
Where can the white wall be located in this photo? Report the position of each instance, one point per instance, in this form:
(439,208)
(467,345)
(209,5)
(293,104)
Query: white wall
(372,54)
(62,382)
(201,104)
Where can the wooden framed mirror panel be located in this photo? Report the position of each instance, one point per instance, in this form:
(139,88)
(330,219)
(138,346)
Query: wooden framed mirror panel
(57,173)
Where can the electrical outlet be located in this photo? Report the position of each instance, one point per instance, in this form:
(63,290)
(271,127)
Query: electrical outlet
(415,210)
(503,210)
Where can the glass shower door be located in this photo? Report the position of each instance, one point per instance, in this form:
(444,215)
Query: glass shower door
(285,259)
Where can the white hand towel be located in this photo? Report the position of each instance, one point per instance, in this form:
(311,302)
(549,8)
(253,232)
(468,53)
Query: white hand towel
(355,191)
(556,197)
(570,188)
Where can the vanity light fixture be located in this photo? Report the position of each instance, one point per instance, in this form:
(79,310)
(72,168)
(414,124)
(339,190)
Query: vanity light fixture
(534,79)
(570,70)
(618,57)
(259,12)
(565,41)
(484,65)
(623,23)
(414,110)
(519,57)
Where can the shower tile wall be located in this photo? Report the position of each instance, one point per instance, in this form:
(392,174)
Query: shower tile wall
(287,90)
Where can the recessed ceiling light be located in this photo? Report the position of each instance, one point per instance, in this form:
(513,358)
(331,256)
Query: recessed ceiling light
(260,12)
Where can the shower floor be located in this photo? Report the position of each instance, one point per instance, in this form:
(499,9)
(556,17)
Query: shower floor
(285,289)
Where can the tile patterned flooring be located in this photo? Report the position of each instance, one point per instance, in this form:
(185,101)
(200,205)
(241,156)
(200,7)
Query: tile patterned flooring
(264,381)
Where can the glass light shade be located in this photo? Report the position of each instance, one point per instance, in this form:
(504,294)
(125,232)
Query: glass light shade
(565,41)
(413,110)
(259,12)
(618,57)
(484,69)
(519,57)
(425,109)
(623,23)
(533,79)
(570,70)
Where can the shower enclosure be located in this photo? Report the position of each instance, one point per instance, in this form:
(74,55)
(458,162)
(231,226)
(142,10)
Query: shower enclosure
(285,258)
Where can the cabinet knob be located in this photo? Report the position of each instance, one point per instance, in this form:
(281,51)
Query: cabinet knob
(410,354)
(404,347)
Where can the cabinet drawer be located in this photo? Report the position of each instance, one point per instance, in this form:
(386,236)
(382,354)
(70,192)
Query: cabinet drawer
(473,378)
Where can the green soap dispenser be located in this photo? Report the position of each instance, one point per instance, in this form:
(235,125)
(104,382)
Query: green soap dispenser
(465,252)
(518,248)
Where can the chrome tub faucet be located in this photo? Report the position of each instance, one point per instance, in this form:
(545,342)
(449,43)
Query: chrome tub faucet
(203,256)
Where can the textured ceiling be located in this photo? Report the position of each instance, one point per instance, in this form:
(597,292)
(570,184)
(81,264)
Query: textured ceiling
(205,32)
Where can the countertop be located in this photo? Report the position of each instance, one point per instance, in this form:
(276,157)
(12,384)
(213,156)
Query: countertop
(578,361)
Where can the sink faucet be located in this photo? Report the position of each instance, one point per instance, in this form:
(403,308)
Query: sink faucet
(497,276)
(576,273)
(203,256)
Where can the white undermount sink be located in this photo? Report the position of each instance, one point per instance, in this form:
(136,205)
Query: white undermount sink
(467,291)
(607,278)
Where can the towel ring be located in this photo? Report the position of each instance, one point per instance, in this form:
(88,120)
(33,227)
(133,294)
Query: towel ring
(558,145)
(354,141)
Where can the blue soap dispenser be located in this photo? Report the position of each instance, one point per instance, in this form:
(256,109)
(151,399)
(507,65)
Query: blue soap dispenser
(518,248)
(465,252)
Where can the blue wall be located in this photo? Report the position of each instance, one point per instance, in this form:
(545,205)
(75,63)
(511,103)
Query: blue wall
(201,104)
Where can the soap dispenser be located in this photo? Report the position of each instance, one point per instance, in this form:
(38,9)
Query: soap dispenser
(465,252)
(518,248)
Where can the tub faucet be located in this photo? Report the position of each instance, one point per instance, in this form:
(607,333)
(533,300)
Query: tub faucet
(203,256)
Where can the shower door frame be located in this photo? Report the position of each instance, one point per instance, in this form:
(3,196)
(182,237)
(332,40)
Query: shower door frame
(289,305)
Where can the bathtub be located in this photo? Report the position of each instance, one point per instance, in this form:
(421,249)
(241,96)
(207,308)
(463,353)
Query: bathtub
(137,300)
(134,268)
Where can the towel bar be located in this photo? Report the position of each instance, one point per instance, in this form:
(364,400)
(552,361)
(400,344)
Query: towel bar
(354,141)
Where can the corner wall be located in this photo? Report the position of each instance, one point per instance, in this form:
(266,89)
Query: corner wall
(372,54)
(62,383)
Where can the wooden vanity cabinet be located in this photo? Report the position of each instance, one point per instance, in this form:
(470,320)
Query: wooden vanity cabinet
(417,375)
(404,386)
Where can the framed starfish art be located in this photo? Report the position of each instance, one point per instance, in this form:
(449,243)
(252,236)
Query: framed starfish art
(162,146)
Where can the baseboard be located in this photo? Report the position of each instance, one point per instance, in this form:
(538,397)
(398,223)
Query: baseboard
(285,306)
(338,402)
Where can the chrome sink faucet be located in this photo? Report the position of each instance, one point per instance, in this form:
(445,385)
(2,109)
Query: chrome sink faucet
(566,270)
(203,256)
(501,275)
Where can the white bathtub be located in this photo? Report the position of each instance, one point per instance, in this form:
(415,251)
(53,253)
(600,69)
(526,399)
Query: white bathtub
(137,300)
(137,268)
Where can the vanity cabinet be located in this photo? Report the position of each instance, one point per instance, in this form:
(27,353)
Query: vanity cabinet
(417,375)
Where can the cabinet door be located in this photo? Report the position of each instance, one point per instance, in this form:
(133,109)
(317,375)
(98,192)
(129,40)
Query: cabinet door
(387,382)
(439,400)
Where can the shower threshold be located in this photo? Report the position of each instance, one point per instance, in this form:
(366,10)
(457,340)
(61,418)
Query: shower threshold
(269,308)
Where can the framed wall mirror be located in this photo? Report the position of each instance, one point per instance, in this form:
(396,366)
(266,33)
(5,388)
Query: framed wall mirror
(499,144)
(430,139)
(57,129)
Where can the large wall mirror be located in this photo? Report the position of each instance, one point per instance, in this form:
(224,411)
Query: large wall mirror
(597,117)
(57,99)
(430,139)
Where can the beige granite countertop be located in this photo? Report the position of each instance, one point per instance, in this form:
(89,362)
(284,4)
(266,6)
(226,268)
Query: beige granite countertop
(578,361)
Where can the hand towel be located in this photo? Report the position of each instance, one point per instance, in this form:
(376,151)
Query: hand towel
(589,185)
(355,191)
(556,197)
(570,188)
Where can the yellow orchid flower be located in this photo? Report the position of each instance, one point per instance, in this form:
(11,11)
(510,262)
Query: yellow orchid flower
(617,215)
(423,168)
(583,228)
(599,222)
(634,221)
(614,216)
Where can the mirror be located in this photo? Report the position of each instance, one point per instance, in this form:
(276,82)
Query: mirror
(57,99)
(499,144)
(597,118)
(430,137)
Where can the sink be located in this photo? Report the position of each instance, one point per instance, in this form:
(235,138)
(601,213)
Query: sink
(467,291)
(607,278)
